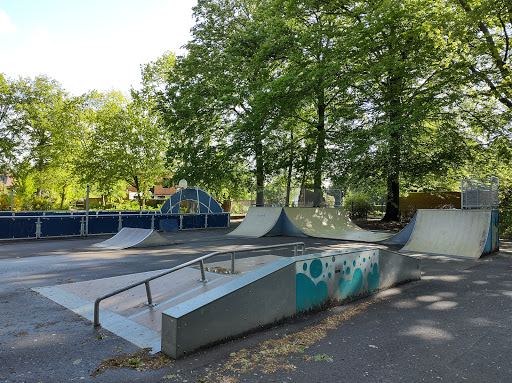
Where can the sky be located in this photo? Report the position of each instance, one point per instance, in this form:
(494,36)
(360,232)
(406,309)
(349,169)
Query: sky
(90,44)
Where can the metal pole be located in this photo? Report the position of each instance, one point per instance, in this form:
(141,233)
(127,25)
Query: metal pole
(233,262)
(148,293)
(203,276)
(87,212)
(462,194)
(12,200)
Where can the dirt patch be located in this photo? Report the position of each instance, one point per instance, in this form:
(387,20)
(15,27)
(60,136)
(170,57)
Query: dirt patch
(21,334)
(49,324)
(272,355)
(379,225)
(141,360)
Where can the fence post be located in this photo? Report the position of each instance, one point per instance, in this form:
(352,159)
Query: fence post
(87,212)
(38,228)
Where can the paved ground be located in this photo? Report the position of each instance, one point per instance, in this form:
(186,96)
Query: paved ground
(454,325)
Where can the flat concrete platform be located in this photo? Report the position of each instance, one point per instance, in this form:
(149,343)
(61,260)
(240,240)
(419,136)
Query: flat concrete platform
(454,325)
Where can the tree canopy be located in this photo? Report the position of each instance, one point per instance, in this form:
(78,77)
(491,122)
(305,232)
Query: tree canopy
(384,96)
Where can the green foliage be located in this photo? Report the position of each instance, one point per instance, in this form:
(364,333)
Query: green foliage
(122,142)
(357,204)
(382,95)
(505,215)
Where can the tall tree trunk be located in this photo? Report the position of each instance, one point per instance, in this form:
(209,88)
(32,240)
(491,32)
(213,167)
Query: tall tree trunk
(62,197)
(393,201)
(395,145)
(137,189)
(290,169)
(320,150)
(260,173)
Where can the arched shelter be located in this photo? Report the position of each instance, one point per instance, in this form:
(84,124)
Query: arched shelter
(207,204)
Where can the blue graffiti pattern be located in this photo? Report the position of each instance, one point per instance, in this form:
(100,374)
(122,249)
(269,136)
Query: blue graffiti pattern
(316,282)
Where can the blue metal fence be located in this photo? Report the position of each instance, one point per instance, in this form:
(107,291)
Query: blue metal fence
(23,225)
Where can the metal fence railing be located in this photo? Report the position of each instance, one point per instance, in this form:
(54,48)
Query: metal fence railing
(480,193)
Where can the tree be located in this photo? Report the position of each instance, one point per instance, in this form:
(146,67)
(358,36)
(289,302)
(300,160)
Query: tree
(122,142)
(406,85)
(39,121)
(217,105)
(9,132)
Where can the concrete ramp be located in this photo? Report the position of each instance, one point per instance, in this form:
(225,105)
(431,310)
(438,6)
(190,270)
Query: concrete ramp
(280,290)
(403,236)
(259,221)
(459,233)
(330,223)
(132,237)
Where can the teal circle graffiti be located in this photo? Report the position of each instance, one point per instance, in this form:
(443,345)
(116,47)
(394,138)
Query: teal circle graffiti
(308,294)
(305,266)
(373,278)
(348,270)
(364,260)
(315,268)
(330,275)
(350,288)
(354,263)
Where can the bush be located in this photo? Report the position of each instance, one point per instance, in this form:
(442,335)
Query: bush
(505,217)
(357,205)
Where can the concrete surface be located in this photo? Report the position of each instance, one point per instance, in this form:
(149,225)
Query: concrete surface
(454,325)
(133,237)
(330,223)
(460,233)
(258,222)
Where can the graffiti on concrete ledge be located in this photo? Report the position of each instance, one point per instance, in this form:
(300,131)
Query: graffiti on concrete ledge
(338,277)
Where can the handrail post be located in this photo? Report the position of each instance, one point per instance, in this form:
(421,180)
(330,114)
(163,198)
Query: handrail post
(295,247)
(148,293)
(97,313)
(233,262)
(201,265)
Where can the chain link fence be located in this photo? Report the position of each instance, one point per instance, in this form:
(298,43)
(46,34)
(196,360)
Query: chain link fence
(296,197)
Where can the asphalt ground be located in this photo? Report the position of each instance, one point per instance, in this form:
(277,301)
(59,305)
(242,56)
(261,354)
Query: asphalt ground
(453,325)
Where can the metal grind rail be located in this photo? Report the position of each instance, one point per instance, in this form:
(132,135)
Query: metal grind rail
(298,247)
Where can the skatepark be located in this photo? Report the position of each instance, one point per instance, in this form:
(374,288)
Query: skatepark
(452,324)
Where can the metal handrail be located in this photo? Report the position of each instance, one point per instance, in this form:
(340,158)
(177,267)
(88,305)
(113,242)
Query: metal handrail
(199,260)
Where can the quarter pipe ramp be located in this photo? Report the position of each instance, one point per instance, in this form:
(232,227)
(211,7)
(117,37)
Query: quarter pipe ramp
(259,221)
(330,223)
(459,233)
(132,237)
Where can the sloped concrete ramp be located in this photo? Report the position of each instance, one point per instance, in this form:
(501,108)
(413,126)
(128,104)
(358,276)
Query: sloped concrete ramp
(402,237)
(330,223)
(133,237)
(459,233)
(259,221)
